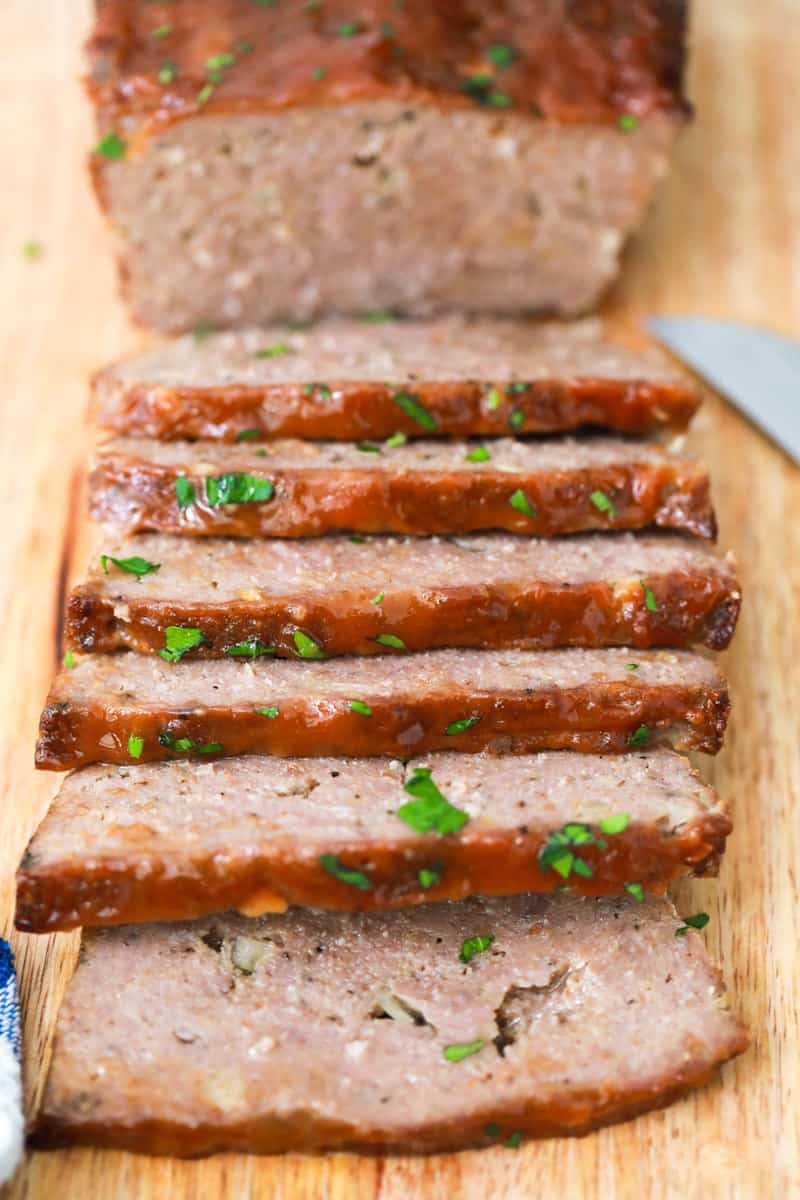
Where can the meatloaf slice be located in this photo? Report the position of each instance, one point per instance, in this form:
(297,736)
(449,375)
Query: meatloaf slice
(291,488)
(472,156)
(167,841)
(249,597)
(316,1030)
(330,381)
(119,707)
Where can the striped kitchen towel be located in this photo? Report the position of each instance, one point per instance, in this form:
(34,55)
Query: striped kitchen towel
(11,1125)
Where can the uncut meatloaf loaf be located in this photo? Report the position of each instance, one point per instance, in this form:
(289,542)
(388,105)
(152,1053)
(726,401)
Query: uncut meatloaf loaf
(119,707)
(168,841)
(292,488)
(295,159)
(350,379)
(315,1030)
(250,597)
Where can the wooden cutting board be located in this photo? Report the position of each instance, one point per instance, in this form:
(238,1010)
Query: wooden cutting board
(724,239)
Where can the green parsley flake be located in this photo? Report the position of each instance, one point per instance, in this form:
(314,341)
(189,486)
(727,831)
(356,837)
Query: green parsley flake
(522,504)
(698,921)
(631,666)
(248,435)
(184,491)
(412,408)
(318,73)
(251,648)
(270,712)
(616,823)
(480,88)
(514,1140)
(479,454)
(518,388)
(69,660)
(397,439)
(349,29)
(344,874)
(218,62)
(167,72)
(429,876)
(266,3)
(306,646)
(135,746)
(237,488)
(377,599)
(558,852)
(368,447)
(492,1130)
(475,945)
(603,504)
(390,639)
(636,890)
(650,602)
(500,55)
(275,350)
(202,330)
(205,94)
(640,736)
(628,122)
(516,418)
(458,1050)
(456,727)
(493,399)
(178,640)
(185,745)
(309,389)
(379,316)
(133,565)
(429,811)
(161,31)
(32,250)
(358,706)
(111,146)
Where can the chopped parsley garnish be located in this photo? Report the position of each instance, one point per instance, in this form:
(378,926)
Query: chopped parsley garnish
(500,55)
(248,435)
(514,1140)
(306,646)
(266,3)
(516,418)
(493,399)
(640,736)
(69,660)
(631,666)
(178,640)
(558,852)
(429,876)
(111,146)
(202,330)
(310,388)
(318,73)
(32,249)
(480,88)
(270,712)
(368,447)
(250,648)
(357,539)
(390,639)
(522,504)
(184,491)
(135,746)
(616,823)
(603,504)
(697,921)
(133,565)
(475,945)
(348,29)
(275,350)
(379,316)
(185,745)
(205,94)
(167,72)
(429,811)
(344,874)
(458,1050)
(479,454)
(358,706)
(377,599)
(397,439)
(518,388)
(650,602)
(456,727)
(218,62)
(492,1130)
(636,890)
(412,408)
(236,487)
(161,31)
(628,122)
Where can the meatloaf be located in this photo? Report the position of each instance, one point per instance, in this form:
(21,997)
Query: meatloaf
(249,597)
(119,707)
(291,488)
(435,1028)
(330,381)
(168,841)
(481,157)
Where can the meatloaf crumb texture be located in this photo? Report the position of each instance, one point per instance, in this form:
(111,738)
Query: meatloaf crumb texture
(312,1030)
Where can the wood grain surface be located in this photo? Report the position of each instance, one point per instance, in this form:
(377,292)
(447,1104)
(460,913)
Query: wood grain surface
(723,239)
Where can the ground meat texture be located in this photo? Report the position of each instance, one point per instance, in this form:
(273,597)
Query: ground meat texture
(249,597)
(515,700)
(292,488)
(312,1030)
(177,840)
(339,379)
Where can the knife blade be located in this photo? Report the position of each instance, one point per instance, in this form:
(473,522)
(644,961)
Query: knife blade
(756,369)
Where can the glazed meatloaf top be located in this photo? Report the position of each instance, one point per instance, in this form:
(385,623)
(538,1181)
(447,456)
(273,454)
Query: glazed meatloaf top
(313,1029)
(585,60)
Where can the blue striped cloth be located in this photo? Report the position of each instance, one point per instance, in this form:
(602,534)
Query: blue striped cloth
(11,1125)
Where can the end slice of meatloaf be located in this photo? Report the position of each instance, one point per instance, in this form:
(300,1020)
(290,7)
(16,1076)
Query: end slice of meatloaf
(314,1030)
(250,597)
(292,488)
(119,707)
(169,841)
(352,379)
(425,156)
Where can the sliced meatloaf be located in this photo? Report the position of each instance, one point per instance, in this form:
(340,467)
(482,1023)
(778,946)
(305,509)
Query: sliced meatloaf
(465,155)
(249,597)
(315,1030)
(292,488)
(341,379)
(167,841)
(116,708)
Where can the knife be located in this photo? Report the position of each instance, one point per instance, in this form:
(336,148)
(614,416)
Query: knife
(758,370)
